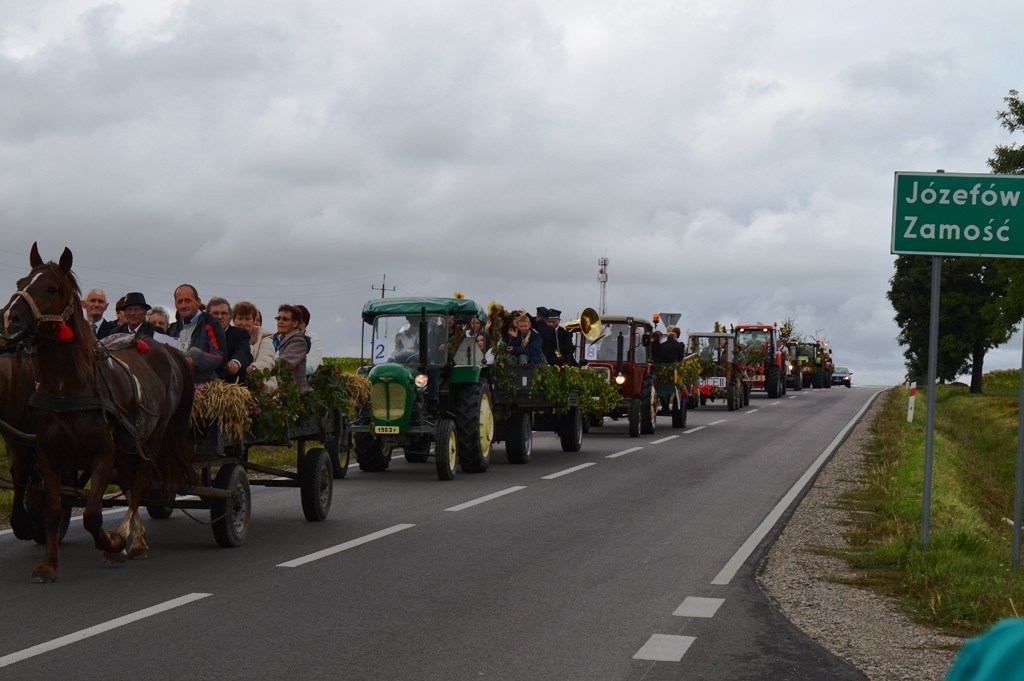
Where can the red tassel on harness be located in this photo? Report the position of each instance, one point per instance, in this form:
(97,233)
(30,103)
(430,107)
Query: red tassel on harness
(64,332)
(142,346)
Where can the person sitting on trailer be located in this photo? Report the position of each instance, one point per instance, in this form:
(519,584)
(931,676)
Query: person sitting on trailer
(524,343)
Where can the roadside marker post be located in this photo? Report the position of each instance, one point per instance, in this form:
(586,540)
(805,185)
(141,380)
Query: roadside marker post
(910,405)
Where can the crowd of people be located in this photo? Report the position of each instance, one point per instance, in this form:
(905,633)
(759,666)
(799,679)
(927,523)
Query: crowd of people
(219,340)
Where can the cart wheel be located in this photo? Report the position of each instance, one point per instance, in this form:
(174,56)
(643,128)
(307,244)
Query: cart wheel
(446,451)
(519,437)
(159,512)
(678,412)
(732,398)
(570,430)
(317,484)
(230,517)
(39,524)
(339,462)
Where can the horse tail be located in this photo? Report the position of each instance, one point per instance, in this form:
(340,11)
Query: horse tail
(176,464)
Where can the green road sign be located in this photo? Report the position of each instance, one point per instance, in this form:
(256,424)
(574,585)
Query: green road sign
(958,214)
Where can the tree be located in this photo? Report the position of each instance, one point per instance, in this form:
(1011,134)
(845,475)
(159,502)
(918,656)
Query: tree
(982,298)
(972,317)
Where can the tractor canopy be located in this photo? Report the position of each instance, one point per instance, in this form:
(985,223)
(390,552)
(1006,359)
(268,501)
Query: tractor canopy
(458,307)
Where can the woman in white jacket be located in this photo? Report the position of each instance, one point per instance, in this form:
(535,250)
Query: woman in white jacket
(261,341)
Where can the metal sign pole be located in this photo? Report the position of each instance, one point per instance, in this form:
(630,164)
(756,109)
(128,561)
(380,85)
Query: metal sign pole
(929,428)
(1018,498)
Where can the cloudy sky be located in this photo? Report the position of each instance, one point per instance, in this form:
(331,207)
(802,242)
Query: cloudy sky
(732,159)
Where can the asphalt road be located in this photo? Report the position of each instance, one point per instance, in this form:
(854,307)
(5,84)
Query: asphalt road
(633,559)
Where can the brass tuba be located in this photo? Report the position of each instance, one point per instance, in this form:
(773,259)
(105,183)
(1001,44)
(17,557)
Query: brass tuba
(589,324)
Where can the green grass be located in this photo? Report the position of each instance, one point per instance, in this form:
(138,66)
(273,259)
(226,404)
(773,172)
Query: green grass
(963,580)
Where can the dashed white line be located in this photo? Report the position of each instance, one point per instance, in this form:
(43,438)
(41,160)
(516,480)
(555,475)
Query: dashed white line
(715,423)
(568,470)
(346,546)
(665,648)
(99,629)
(693,430)
(623,452)
(485,499)
(664,439)
(775,404)
(697,606)
(751,411)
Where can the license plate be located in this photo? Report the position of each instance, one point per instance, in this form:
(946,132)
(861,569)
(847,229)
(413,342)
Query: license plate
(385,430)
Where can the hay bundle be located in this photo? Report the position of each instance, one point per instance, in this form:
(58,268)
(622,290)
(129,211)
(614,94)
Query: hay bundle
(358,389)
(225,405)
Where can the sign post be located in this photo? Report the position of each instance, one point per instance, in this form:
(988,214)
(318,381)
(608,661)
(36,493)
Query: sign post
(910,404)
(959,214)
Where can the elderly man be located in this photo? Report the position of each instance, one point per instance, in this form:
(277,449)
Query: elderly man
(134,307)
(236,349)
(95,304)
(200,336)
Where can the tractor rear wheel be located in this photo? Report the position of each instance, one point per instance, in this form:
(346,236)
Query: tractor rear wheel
(474,423)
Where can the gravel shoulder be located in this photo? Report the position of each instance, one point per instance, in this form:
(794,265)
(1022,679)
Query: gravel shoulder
(864,628)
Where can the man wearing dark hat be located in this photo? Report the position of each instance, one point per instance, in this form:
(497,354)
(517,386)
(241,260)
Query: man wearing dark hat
(565,352)
(134,307)
(547,335)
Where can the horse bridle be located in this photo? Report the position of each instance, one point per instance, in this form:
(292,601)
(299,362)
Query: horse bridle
(36,314)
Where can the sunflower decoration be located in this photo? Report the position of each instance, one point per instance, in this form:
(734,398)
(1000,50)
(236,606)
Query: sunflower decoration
(459,295)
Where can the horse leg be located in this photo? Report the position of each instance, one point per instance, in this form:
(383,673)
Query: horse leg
(120,536)
(92,518)
(46,572)
(21,521)
(140,548)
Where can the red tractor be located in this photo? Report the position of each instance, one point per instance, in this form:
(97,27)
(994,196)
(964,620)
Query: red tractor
(620,353)
(761,358)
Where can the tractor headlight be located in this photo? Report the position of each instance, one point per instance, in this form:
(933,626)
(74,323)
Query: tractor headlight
(620,379)
(421,381)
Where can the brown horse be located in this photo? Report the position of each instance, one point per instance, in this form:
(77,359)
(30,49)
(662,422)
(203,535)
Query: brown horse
(121,416)
(15,387)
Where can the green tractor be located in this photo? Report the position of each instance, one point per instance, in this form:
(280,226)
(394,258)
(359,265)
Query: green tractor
(815,362)
(428,400)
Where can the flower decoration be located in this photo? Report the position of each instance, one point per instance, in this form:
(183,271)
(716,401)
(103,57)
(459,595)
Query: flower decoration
(459,295)
(142,346)
(64,332)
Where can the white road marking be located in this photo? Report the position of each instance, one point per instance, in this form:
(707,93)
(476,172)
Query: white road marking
(485,499)
(793,397)
(568,470)
(665,648)
(741,555)
(775,404)
(693,430)
(751,411)
(697,606)
(99,629)
(623,452)
(715,423)
(664,439)
(346,546)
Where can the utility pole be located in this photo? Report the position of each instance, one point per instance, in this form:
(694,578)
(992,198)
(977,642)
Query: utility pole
(382,288)
(602,277)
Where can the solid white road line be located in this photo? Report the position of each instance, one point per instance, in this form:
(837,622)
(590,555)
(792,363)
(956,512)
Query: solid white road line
(485,499)
(741,555)
(623,452)
(693,430)
(98,629)
(346,546)
(568,470)
(697,606)
(664,439)
(665,648)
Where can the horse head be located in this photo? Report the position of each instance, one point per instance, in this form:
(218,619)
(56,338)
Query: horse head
(46,303)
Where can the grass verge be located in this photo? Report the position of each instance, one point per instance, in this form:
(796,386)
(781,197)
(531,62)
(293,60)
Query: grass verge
(963,580)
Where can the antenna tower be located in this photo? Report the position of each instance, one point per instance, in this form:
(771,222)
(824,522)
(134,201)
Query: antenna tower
(602,278)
